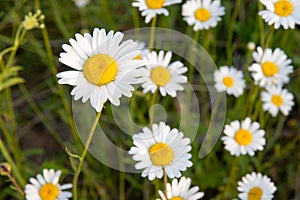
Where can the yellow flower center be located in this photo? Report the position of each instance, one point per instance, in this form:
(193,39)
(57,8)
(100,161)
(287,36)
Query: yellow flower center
(160,76)
(228,81)
(243,137)
(283,8)
(202,14)
(177,198)
(269,69)
(100,69)
(49,191)
(155,4)
(255,194)
(277,100)
(161,154)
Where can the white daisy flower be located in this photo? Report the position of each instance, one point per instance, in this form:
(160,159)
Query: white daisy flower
(181,190)
(81,3)
(46,187)
(243,137)
(160,74)
(161,148)
(256,186)
(151,8)
(202,14)
(270,67)
(230,80)
(275,98)
(104,68)
(284,13)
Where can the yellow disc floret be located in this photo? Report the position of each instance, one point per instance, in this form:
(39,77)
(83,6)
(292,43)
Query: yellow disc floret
(160,76)
(228,81)
(283,8)
(202,14)
(100,69)
(255,194)
(161,154)
(277,100)
(269,69)
(243,137)
(155,4)
(49,191)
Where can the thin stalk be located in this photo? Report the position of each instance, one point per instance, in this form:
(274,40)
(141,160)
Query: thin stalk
(14,167)
(165,182)
(60,88)
(261,26)
(152,102)
(229,46)
(231,177)
(269,37)
(83,154)
(152,32)
(14,182)
(107,13)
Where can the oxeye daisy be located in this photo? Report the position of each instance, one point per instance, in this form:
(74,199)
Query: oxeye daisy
(151,8)
(160,74)
(270,67)
(46,187)
(230,80)
(243,137)
(104,68)
(202,14)
(181,190)
(255,186)
(275,98)
(284,13)
(161,149)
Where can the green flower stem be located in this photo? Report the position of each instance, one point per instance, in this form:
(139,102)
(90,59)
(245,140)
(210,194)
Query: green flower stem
(60,88)
(107,13)
(83,154)
(14,167)
(269,38)
(231,177)
(14,182)
(191,57)
(136,22)
(152,102)
(261,25)
(276,134)
(229,46)
(165,182)
(152,32)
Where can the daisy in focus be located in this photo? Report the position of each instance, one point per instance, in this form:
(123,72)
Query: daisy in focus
(81,3)
(275,98)
(256,186)
(151,8)
(104,69)
(270,67)
(160,74)
(181,190)
(161,149)
(230,80)
(46,187)
(285,13)
(243,137)
(202,14)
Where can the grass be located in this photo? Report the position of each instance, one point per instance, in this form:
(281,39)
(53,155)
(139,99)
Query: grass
(36,119)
